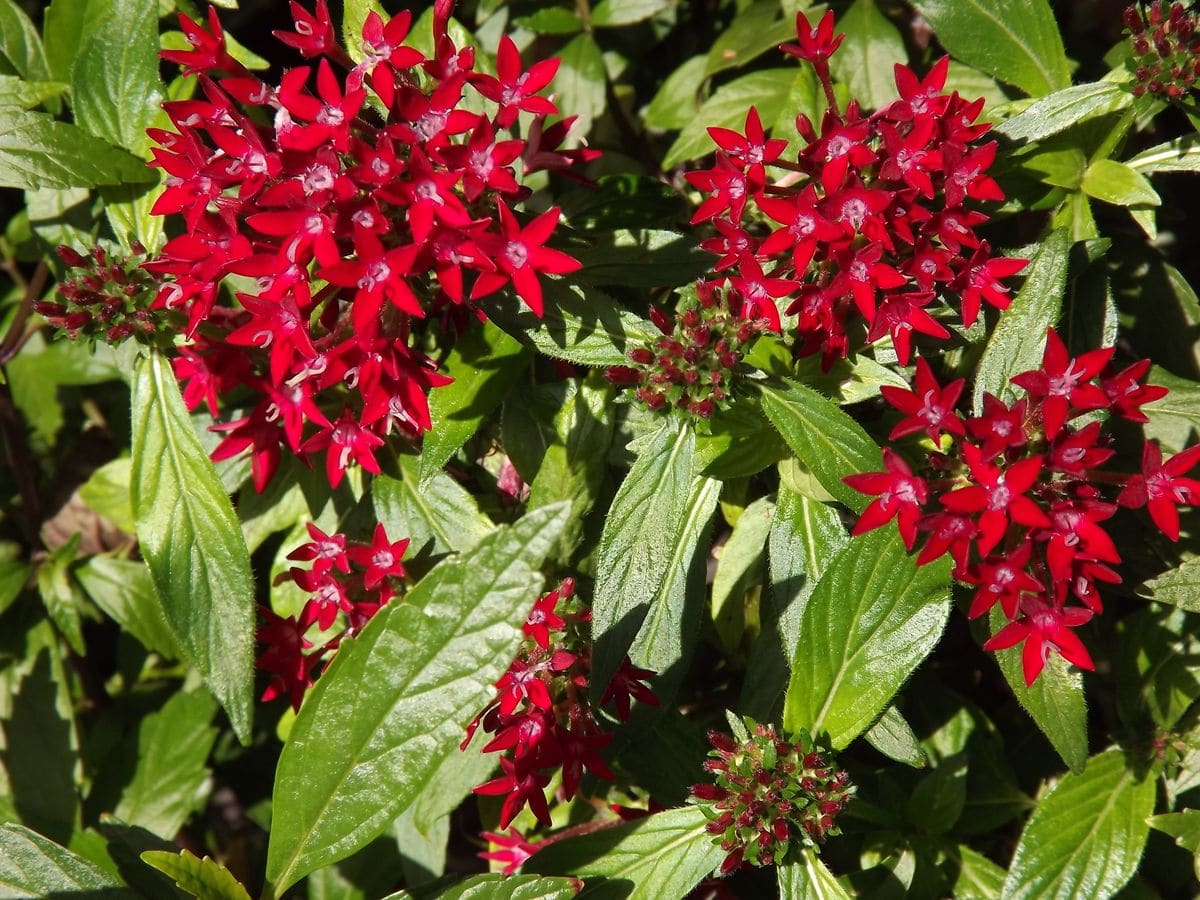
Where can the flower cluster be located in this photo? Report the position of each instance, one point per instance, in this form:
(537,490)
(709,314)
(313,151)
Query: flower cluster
(691,366)
(347,582)
(108,300)
(1165,45)
(769,795)
(1017,496)
(541,715)
(357,199)
(875,218)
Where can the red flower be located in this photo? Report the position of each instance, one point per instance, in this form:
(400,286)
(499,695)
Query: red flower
(1064,385)
(513,850)
(1161,486)
(816,43)
(1043,629)
(980,278)
(929,407)
(515,89)
(314,34)
(518,788)
(997,496)
(753,150)
(900,495)
(520,255)
(381,558)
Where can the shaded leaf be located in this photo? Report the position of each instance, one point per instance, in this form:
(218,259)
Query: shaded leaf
(20,45)
(641,258)
(1179,155)
(1059,111)
(495,886)
(767,91)
(738,563)
(808,879)
(893,737)
(60,594)
(1184,827)
(484,365)
(439,516)
(580,83)
(124,591)
(754,30)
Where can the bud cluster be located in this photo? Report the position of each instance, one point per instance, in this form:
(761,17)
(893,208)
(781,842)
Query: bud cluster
(873,222)
(358,199)
(1165,44)
(347,582)
(109,299)
(1017,494)
(692,366)
(769,795)
(541,716)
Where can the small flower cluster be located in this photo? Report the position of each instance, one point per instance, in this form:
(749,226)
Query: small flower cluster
(359,198)
(1017,495)
(108,300)
(691,366)
(874,219)
(769,796)
(541,715)
(344,578)
(1165,46)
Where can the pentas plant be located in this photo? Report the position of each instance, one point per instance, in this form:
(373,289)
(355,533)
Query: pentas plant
(355,200)
(331,545)
(874,220)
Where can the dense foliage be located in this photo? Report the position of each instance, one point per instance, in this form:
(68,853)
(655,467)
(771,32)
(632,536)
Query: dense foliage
(649,448)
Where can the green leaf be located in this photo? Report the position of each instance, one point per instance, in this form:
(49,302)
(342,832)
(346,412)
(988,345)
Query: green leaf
(936,803)
(829,442)
(495,886)
(873,617)
(581,80)
(1055,701)
(32,866)
(204,878)
(808,879)
(439,516)
(107,492)
(581,325)
(28,94)
(60,594)
(641,535)
(642,258)
(574,466)
(20,45)
(1085,836)
(38,152)
(192,542)
(1059,111)
(1180,155)
(170,781)
(753,31)
(1015,40)
(767,91)
(615,13)
(62,32)
(396,699)
(892,736)
(667,639)
(677,101)
(805,537)
(978,877)
(550,20)
(868,55)
(124,591)
(663,855)
(1019,337)
(484,365)
(1117,183)
(1184,826)
(115,88)
(738,564)
(1179,586)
